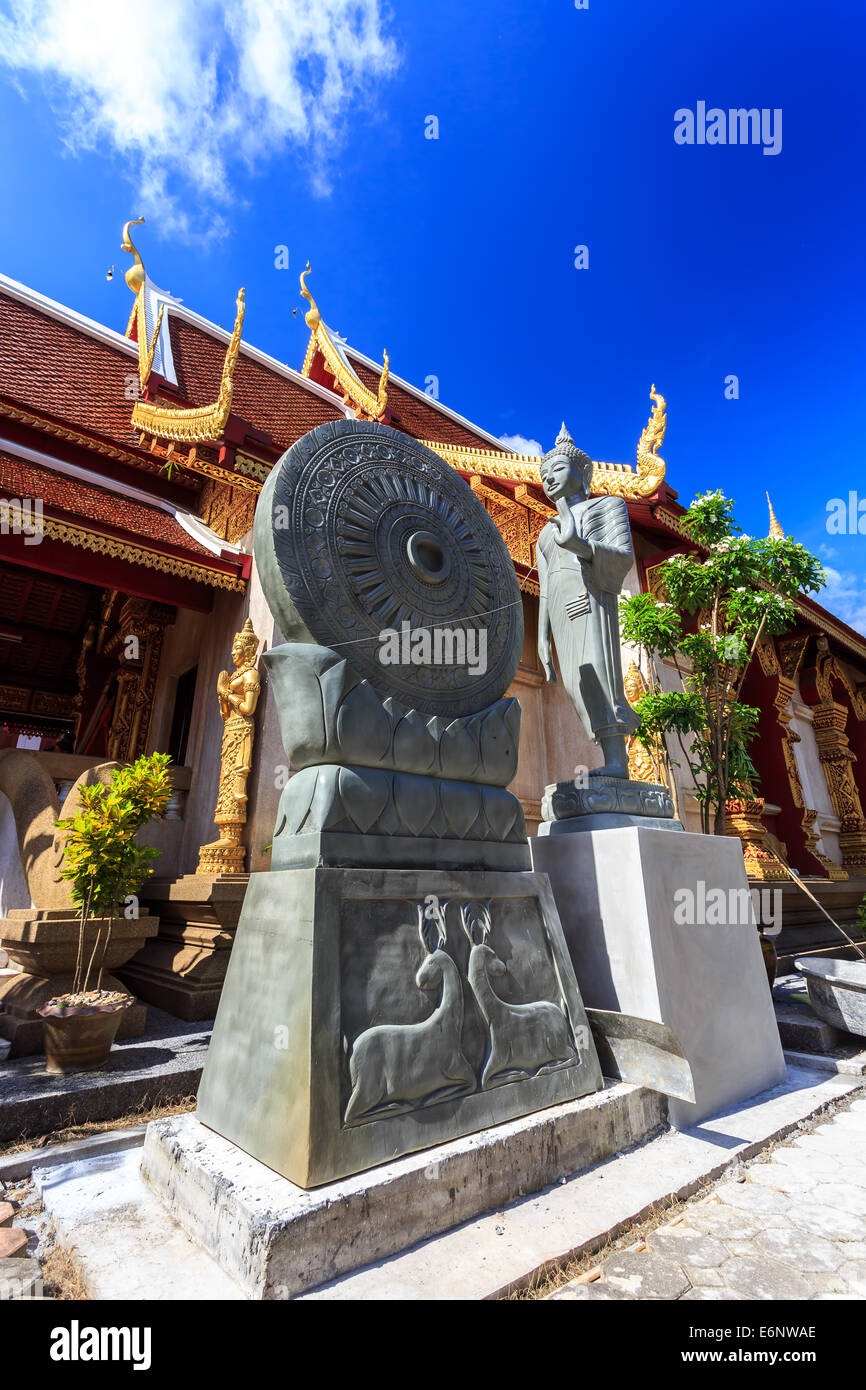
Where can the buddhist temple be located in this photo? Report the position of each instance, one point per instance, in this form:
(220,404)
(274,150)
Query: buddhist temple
(130,464)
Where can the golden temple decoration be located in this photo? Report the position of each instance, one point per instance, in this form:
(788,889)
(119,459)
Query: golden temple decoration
(783,663)
(136,279)
(614,479)
(139,555)
(355,394)
(776,532)
(744,822)
(200,422)
(238,696)
(646,762)
(830,724)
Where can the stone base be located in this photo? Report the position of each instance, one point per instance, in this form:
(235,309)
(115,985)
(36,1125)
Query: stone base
(617,892)
(350,1029)
(599,795)
(183,968)
(276,1240)
(222,857)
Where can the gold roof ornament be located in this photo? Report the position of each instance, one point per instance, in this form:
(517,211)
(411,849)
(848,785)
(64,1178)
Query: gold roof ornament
(775,532)
(136,279)
(201,422)
(614,479)
(366,405)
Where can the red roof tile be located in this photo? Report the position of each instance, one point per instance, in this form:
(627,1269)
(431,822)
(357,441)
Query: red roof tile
(85,503)
(54,368)
(268,401)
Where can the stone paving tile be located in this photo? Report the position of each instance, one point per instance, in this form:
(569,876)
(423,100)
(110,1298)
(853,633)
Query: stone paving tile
(847,1199)
(801,1251)
(747,1249)
(754,1197)
(806,1160)
(717,1296)
(765,1279)
(791,1227)
(827,1283)
(827,1221)
(715,1219)
(645,1275)
(854,1274)
(783,1179)
(687,1247)
(589,1292)
(703,1278)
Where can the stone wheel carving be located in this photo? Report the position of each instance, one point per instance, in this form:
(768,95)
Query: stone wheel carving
(361,529)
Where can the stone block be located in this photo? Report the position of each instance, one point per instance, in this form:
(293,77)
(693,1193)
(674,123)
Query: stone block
(182,969)
(277,1240)
(378,1012)
(617,892)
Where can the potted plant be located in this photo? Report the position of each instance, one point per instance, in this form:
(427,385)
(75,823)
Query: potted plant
(106,868)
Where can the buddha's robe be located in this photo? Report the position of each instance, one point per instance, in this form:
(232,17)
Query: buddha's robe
(582,598)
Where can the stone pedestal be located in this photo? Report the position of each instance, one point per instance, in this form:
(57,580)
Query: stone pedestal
(277,1240)
(642,916)
(377,1012)
(43,942)
(182,968)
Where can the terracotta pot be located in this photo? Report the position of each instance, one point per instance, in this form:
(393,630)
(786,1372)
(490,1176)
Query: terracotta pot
(80,1040)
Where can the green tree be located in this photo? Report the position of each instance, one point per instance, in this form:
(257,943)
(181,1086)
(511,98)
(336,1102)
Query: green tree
(101,859)
(721,601)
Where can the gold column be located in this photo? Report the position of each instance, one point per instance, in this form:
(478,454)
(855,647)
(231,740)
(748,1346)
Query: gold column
(830,722)
(784,667)
(238,695)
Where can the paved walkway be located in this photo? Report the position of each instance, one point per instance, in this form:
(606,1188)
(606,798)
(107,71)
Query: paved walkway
(793,1226)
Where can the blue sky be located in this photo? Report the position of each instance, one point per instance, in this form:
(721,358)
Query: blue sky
(239,128)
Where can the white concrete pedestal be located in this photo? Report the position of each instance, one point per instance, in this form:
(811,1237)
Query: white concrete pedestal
(616,891)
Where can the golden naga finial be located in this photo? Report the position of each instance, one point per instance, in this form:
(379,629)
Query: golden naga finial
(653,434)
(312,316)
(366,405)
(201,422)
(136,279)
(776,532)
(135,276)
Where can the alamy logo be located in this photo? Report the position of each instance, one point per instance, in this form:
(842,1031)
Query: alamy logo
(733,907)
(847,517)
(22,518)
(77,1343)
(434,646)
(736,126)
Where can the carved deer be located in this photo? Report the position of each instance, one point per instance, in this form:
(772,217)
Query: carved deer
(524,1039)
(397,1067)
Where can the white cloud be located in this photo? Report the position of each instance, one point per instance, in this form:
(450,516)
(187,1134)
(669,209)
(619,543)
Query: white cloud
(845,595)
(518,444)
(182,89)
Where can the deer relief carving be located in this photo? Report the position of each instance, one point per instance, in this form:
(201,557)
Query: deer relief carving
(524,1039)
(399,1067)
